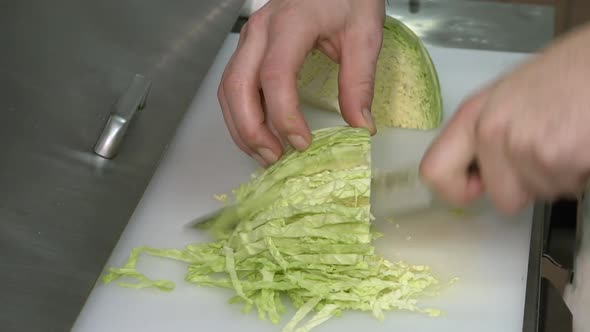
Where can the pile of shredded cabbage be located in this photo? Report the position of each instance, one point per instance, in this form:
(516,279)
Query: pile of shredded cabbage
(304,231)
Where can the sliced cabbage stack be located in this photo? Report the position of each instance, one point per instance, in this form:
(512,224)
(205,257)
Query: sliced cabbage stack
(304,231)
(407,90)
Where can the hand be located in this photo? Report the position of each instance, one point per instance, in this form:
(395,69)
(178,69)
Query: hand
(258,93)
(529,132)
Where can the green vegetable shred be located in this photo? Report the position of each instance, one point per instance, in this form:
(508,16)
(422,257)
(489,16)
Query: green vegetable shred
(304,231)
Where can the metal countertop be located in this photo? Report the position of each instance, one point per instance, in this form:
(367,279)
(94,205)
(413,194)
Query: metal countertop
(63,66)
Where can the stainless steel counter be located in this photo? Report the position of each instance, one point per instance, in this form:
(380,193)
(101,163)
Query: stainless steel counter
(477,24)
(63,65)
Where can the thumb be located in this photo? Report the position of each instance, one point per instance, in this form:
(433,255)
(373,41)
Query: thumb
(445,166)
(356,77)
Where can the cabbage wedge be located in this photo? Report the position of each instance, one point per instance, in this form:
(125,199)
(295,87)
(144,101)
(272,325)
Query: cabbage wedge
(407,92)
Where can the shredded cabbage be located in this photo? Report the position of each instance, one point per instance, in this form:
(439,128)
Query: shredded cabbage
(304,231)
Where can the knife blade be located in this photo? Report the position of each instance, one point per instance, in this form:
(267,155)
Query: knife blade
(398,192)
(401,191)
(395,192)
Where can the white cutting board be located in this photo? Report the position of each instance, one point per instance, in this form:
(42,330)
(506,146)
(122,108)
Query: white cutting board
(488,253)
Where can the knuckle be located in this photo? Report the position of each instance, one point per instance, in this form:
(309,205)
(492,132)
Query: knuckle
(366,35)
(490,129)
(548,155)
(285,124)
(234,81)
(373,36)
(466,107)
(257,23)
(270,72)
(288,12)
(508,198)
(244,29)
(220,93)
(518,145)
(249,134)
(241,145)
(430,174)
(237,141)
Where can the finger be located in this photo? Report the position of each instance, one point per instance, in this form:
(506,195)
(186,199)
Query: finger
(356,77)
(445,163)
(233,131)
(223,101)
(503,184)
(269,122)
(288,46)
(225,108)
(241,87)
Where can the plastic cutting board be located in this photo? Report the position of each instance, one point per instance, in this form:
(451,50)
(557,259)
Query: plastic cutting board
(487,252)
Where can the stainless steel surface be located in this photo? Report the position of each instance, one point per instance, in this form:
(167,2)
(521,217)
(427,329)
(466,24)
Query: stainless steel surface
(63,64)
(113,133)
(477,24)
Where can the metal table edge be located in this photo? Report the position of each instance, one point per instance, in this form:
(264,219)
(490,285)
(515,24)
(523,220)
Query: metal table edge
(531,316)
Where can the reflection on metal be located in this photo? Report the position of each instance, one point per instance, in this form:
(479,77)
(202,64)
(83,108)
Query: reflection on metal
(133,100)
(485,25)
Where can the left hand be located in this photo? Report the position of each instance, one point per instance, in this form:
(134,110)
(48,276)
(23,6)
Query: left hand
(529,132)
(258,89)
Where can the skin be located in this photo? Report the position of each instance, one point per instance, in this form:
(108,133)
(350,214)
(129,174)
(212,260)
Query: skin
(258,93)
(527,130)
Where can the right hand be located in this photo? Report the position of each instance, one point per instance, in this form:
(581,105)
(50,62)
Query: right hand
(528,130)
(258,93)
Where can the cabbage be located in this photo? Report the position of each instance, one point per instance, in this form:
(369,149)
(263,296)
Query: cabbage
(406,92)
(304,230)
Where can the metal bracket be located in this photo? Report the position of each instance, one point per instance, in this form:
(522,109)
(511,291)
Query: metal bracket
(545,309)
(113,133)
(558,275)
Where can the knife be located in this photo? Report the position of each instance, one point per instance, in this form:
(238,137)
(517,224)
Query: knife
(394,193)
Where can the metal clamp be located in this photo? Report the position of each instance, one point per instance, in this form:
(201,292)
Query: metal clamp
(558,275)
(113,133)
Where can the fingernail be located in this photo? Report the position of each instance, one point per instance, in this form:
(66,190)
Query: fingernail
(298,142)
(370,121)
(259,159)
(268,155)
